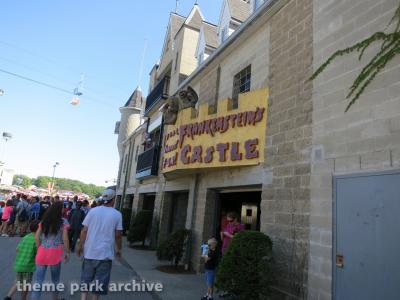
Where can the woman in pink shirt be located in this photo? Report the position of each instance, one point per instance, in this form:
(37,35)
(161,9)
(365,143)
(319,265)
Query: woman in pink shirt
(52,241)
(6,217)
(233,227)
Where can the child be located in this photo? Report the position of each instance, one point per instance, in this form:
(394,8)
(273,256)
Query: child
(5,218)
(25,262)
(210,266)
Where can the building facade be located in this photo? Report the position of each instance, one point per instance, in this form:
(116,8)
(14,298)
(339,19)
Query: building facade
(233,123)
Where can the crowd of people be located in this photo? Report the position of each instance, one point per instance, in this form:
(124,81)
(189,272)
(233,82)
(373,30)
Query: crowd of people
(52,228)
(17,212)
(56,228)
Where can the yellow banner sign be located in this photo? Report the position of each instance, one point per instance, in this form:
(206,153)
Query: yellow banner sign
(227,138)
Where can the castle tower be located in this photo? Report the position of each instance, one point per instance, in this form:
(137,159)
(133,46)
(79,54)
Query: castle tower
(130,117)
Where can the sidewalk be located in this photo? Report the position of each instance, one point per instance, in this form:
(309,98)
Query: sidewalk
(176,286)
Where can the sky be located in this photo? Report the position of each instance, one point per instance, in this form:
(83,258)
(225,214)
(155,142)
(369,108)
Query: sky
(55,42)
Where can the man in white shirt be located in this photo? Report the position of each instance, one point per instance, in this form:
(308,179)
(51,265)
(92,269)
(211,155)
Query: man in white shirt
(100,240)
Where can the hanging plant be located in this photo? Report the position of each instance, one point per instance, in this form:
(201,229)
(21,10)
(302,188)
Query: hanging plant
(389,49)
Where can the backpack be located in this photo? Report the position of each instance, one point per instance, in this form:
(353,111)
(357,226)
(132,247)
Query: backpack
(23,215)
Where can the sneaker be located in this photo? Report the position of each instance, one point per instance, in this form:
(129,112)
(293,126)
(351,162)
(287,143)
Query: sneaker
(7,298)
(210,298)
(5,235)
(205,297)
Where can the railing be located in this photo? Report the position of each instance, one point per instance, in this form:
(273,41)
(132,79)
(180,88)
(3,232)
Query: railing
(160,91)
(147,164)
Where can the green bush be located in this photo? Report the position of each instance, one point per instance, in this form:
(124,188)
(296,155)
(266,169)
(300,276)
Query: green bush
(245,269)
(140,226)
(126,219)
(173,247)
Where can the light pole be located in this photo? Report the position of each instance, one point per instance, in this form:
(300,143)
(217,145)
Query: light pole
(6,137)
(54,172)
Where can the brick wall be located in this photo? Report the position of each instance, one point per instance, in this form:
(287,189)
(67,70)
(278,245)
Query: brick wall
(286,201)
(365,138)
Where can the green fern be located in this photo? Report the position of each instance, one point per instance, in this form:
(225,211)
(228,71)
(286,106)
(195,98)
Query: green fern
(390,48)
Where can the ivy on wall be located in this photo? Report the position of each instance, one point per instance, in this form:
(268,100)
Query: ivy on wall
(390,48)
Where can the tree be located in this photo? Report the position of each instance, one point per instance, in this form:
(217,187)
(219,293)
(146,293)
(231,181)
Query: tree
(60,183)
(245,269)
(388,50)
(140,225)
(22,180)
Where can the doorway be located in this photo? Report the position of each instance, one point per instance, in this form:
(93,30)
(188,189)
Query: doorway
(178,211)
(366,230)
(245,203)
(148,202)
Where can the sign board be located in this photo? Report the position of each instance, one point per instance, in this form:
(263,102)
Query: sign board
(227,138)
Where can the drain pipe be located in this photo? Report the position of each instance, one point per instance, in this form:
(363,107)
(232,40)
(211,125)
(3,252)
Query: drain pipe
(189,247)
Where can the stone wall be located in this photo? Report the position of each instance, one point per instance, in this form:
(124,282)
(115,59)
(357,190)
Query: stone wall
(286,201)
(366,138)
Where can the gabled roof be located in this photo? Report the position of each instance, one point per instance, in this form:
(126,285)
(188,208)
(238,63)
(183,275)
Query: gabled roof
(239,9)
(195,17)
(175,23)
(210,34)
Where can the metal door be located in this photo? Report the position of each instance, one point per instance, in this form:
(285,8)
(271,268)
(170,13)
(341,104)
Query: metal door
(366,252)
(249,215)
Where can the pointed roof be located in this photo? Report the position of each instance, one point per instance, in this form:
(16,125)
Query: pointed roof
(239,9)
(195,17)
(210,34)
(136,99)
(175,23)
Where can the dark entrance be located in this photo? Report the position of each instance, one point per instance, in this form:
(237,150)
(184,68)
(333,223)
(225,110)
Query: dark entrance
(148,202)
(178,211)
(245,203)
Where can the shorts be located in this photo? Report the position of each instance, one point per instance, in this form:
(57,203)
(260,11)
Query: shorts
(210,277)
(99,271)
(24,277)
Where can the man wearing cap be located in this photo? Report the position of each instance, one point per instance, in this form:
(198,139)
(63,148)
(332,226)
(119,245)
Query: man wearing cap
(100,241)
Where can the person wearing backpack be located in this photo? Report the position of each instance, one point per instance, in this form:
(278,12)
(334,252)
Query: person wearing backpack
(22,218)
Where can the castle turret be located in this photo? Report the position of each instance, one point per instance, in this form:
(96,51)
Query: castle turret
(130,117)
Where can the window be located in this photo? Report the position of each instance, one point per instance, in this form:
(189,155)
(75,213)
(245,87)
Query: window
(241,84)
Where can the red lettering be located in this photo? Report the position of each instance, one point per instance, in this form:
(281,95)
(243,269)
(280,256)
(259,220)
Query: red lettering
(233,119)
(239,120)
(221,148)
(182,133)
(185,159)
(226,124)
(251,149)
(209,154)
(235,153)
(259,114)
(251,117)
(196,155)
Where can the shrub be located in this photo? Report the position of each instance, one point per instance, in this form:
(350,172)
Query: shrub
(245,269)
(173,247)
(140,226)
(126,219)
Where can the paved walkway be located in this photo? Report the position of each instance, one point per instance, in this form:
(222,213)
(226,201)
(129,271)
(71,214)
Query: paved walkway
(135,265)
(176,286)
